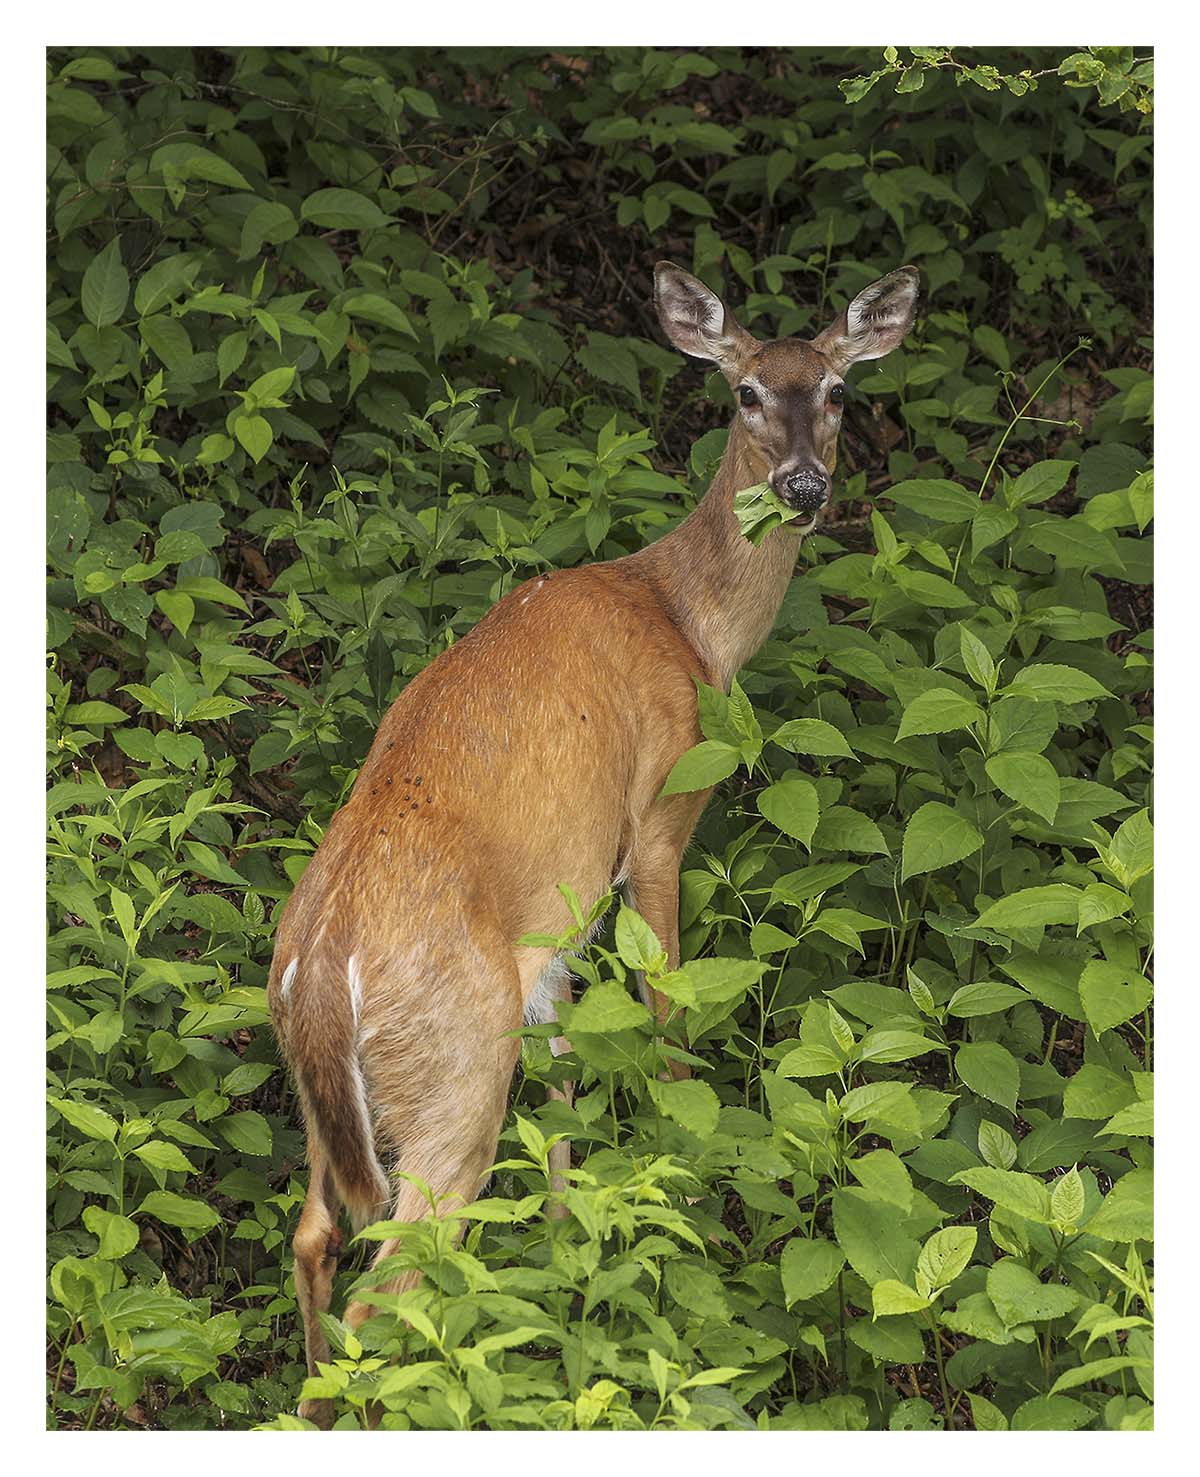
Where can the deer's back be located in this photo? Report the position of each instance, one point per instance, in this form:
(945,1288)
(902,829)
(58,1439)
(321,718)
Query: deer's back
(526,755)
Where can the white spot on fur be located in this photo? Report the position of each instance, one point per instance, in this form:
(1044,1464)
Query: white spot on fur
(289,979)
(354,977)
(551,986)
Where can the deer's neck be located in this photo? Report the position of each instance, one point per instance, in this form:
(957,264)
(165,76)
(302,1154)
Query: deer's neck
(722,591)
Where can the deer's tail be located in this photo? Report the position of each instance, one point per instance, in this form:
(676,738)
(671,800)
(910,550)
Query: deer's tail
(315,1002)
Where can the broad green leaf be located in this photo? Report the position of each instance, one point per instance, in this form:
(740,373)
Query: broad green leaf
(1019,1297)
(184,1211)
(1023,1194)
(89,1119)
(868,1232)
(607,1007)
(1051,682)
(889,1297)
(812,736)
(105,289)
(945,1256)
(985,997)
(935,837)
(944,502)
(990,1070)
(938,711)
(1127,1211)
(1029,779)
(1032,907)
(342,210)
(885,1176)
(691,1104)
(1037,483)
(255,434)
(809,1267)
(701,767)
(636,941)
(843,829)
(118,1234)
(1112,994)
(793,806)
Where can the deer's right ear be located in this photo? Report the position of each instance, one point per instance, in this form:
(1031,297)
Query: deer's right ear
(695,319)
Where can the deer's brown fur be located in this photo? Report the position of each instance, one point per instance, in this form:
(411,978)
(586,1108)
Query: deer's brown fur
(529,754)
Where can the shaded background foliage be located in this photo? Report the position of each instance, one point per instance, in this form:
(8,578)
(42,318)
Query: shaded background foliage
(344,343)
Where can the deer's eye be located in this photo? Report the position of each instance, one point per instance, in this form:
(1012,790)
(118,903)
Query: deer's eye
(747,396)
(837,394)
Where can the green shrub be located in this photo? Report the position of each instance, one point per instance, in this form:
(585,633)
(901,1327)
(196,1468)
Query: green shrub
(343,344)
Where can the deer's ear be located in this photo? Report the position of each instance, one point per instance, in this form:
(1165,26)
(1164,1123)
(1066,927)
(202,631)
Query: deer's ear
(696,320)
(875,322)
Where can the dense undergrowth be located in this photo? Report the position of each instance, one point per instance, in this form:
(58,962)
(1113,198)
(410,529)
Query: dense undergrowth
(343,344)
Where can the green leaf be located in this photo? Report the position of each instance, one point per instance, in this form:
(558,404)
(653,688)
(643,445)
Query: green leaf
(1019,1297)
(885,1176)
(701,767)
(944,502)
(997,1147)
(168,1157)
(890,1297)
(1050,682)
(105,289)
(936,836)
(868,1232)
(1127,1212)
(118,1234)
(809,1267)
(938,711)
(991,1071)
(342,210)
(248,1133)
(270,220)
(930,589)
(1032,907)
(812,736)
(1022,1194)
(255,434)
(945,1256)
(183,1211)
(372,308)
(985,997)
(90,1120)
(1066,1200)
(1112,994)
(637,944)
(843,829)
(759,512)
(1039,482)
(792,805)
(1050,1413)
(1029,779)
(607,1007)
(691,1104)
(179,609)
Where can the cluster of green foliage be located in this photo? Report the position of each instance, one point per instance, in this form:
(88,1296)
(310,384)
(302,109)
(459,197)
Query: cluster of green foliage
(344,343)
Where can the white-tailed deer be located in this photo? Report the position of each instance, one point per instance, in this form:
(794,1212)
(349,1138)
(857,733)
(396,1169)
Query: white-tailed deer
(529,754)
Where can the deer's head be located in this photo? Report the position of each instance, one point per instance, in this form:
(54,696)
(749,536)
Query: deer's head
(789,390)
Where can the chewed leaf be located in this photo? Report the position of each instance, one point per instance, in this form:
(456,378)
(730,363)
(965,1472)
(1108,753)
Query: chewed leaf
(758,511)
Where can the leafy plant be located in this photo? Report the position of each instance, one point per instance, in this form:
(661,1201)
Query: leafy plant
(342,344)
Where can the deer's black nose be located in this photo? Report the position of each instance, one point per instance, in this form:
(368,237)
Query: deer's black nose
(807,489)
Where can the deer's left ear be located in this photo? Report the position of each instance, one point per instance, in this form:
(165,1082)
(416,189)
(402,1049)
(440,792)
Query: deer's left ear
(875,322)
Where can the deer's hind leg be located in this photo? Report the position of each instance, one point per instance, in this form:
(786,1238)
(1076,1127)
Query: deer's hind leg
(315,1245)
(553,984)
(440,1093)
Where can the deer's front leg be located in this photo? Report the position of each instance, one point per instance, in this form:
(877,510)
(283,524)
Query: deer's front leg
(653,890)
